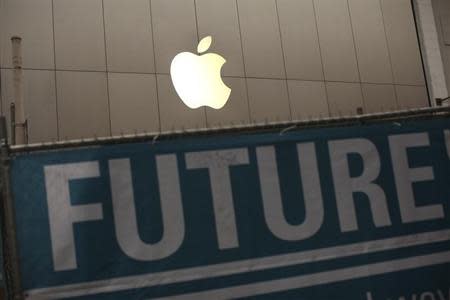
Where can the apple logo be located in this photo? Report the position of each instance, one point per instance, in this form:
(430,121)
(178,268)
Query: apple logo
(197,78)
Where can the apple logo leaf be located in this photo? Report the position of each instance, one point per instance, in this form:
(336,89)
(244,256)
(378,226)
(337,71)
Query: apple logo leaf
(204,44)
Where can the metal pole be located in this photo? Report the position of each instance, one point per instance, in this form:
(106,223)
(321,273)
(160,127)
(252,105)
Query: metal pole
(12,119)
(20,124)
(10,250)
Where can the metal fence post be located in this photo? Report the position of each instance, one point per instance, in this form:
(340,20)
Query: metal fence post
(12,118)
(20,122)
(10,250)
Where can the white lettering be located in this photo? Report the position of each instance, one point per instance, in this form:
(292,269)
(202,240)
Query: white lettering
(218,163)
(62,215)
(442,296)
(406,176)
(427,296)
(273,203)
(125,209)
(345,185)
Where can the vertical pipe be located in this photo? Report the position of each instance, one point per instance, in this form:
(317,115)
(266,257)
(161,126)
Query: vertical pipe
(9,237)
(12,121)
(20,123)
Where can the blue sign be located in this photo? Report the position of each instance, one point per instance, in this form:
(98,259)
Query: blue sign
(342,213)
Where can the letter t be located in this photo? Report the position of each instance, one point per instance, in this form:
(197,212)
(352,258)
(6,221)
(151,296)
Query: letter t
(218,163)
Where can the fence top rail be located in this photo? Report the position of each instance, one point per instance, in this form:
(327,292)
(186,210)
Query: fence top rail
(264,127)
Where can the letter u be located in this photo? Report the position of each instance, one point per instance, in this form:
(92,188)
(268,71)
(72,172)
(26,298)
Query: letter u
(273,204)
(124,209)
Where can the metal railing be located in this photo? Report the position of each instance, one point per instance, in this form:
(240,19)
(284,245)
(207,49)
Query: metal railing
(264,127)
(11,269)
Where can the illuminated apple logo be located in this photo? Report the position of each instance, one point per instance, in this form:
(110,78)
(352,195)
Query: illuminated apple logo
(197,78)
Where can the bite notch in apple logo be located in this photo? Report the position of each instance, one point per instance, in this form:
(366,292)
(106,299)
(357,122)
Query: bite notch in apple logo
(197,79)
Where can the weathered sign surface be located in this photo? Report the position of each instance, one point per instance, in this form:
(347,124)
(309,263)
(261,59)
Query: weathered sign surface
(342,213)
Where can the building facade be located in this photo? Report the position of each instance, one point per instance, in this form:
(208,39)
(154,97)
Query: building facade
(101,67)
(442,17)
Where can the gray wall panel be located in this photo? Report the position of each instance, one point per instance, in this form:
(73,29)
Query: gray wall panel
(39,103)
(410,97)
(175,30)
(344,98)
(379,97)
(370,40)
(261,39)
(269,101)
(219,18)
(83,109)
(32,20)
(300,39)
(79,35)
(129,39)
(402,41)
(445,20)
(336,40)
(308,99)
(133,103)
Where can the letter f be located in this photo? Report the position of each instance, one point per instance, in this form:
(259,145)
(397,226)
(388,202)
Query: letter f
(63,215)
